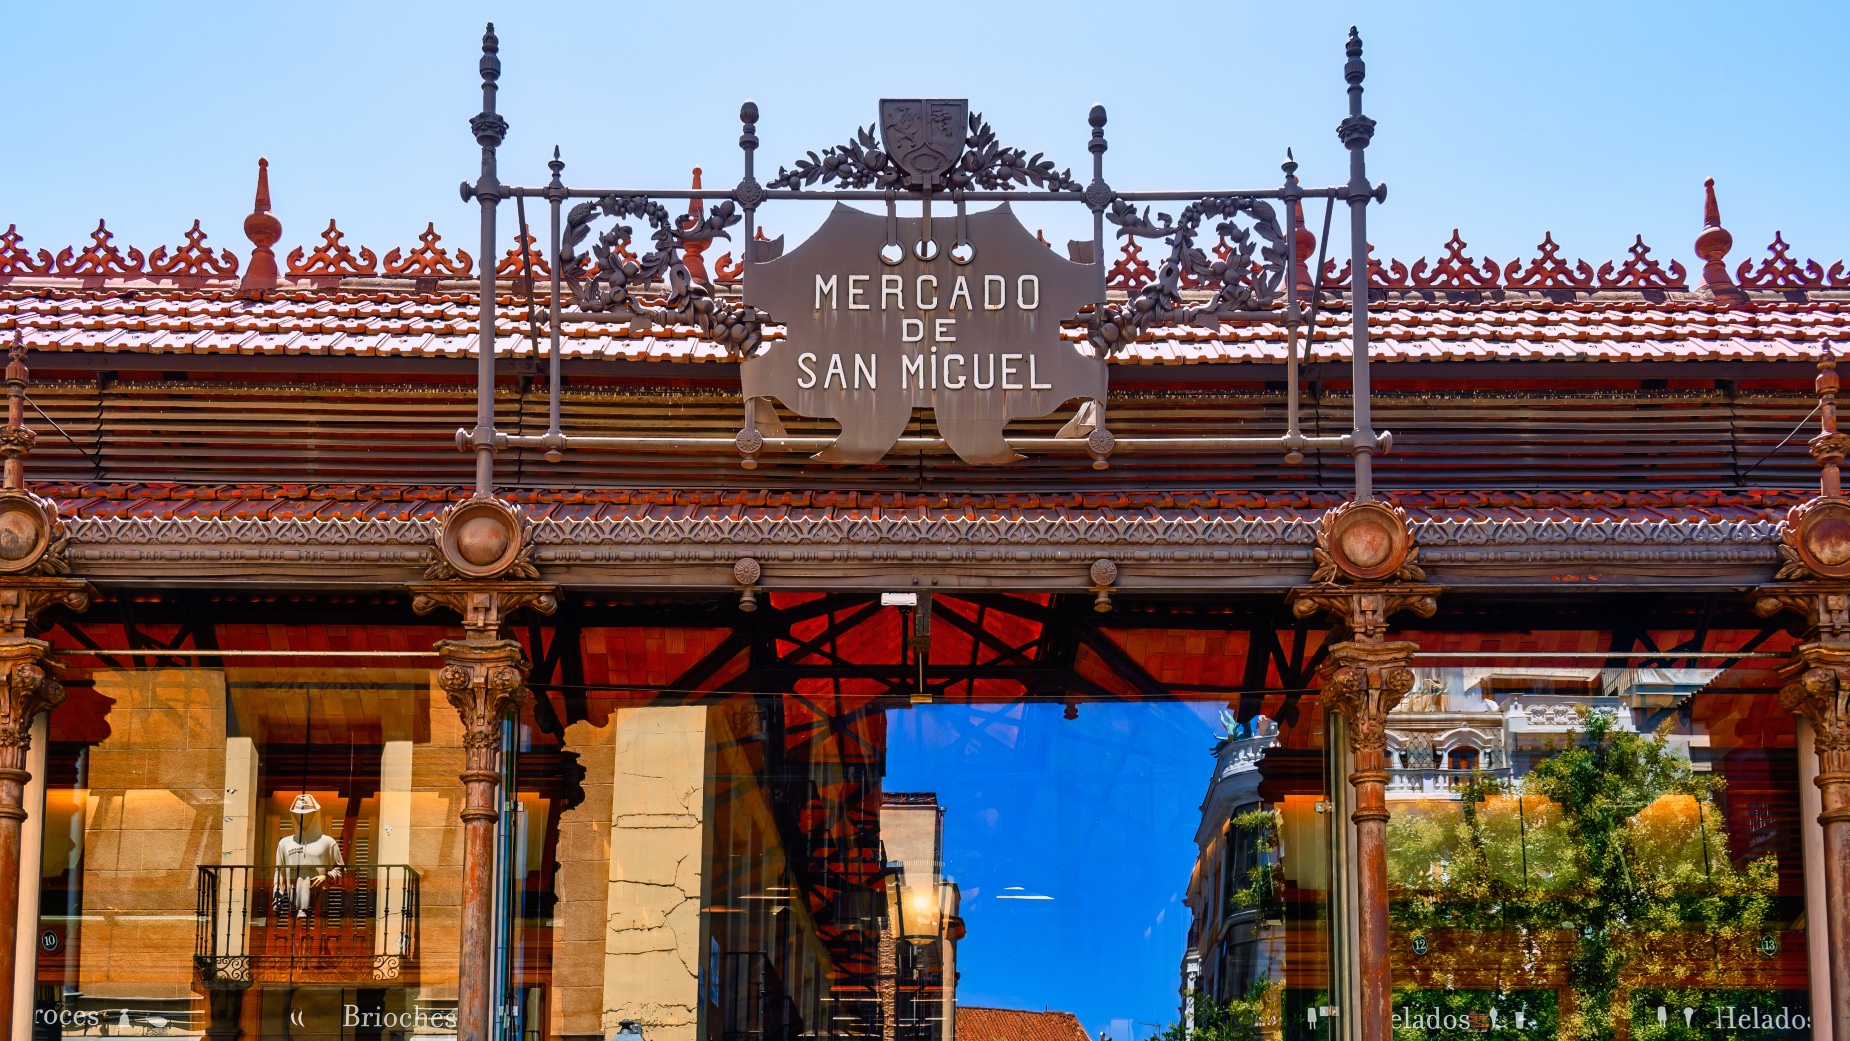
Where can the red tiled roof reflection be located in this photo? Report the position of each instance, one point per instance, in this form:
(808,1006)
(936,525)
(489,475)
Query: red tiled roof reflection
(1008,1024)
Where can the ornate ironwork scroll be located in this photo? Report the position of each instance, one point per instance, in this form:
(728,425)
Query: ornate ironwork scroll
(1238,281)
(611,280)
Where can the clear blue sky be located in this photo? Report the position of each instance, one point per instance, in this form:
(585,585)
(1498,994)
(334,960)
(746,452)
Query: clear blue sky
(1594,120)
(1072,842)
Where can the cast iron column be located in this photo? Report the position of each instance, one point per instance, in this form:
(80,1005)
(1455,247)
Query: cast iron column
(1363,679)
(31,566)
(484,677)
(1814,582)
(26,689)
(1365,572)
(1819,691)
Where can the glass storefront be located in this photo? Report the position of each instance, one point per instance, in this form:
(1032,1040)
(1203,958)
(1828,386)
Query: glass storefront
(269,852)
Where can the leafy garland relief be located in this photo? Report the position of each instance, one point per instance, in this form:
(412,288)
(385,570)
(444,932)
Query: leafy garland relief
(984,164)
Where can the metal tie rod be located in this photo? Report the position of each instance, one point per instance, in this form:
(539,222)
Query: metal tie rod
(812,445)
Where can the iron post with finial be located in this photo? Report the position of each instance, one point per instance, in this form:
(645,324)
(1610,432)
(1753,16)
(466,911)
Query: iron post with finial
(1098,194)
(1294,223)
(555,198)
(17,439)
(1828,448)
(475,969)
(490,130)
(1355,131)
(749,194)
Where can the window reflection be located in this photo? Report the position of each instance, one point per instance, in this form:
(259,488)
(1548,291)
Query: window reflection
(1627,871)
(274,852)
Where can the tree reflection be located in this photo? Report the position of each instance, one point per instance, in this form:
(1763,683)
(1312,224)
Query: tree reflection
(1604,867)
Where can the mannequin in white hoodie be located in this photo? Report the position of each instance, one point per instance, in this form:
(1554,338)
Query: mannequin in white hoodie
(306,860)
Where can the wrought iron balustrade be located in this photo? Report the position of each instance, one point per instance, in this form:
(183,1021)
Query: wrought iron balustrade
(253,924)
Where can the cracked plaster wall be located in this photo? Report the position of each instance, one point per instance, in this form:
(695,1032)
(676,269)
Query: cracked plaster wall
(653,936)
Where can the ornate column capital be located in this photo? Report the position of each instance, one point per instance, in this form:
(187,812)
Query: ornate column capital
(1363,683)
(28,686)
(1818,688)
(22,600)
(483,681)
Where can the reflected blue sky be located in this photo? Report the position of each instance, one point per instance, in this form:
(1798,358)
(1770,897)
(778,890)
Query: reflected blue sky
(1072,842)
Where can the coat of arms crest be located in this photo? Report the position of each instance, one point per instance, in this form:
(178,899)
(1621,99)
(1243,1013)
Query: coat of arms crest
(925,136)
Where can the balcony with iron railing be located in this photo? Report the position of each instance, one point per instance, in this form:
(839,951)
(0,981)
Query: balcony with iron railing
(1438,782)
(260,924)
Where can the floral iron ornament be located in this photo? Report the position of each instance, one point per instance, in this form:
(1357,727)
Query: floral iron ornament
(1238,281)
(922,152)
(611,279)
(1365,571)
(1366,542)
(481,538)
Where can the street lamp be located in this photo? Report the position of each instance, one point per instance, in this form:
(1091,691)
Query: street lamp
(921,911)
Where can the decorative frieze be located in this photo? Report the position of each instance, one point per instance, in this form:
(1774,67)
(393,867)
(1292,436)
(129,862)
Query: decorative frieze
(824,527)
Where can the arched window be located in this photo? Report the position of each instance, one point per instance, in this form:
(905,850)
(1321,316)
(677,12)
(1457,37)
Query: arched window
(1461,759)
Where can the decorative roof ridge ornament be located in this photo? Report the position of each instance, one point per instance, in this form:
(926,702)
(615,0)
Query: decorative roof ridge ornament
(193,260)
(1713,246)
(333,257)
(1549,271)
(263,230)
(429,259)
(100,258)
(1642,272)
(15,259)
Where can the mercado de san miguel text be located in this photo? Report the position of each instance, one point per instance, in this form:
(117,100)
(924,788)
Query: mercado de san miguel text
(517,641)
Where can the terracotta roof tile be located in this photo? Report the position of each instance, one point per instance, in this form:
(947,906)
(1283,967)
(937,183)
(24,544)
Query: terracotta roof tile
(76,315)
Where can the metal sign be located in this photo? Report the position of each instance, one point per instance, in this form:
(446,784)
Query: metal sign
(873,319)
(873,331)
